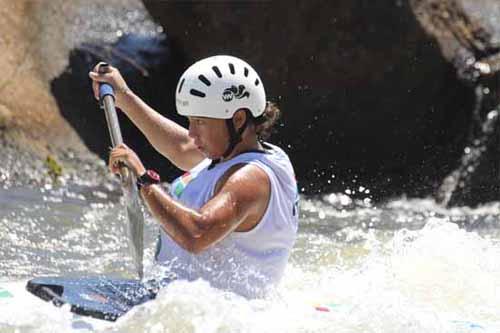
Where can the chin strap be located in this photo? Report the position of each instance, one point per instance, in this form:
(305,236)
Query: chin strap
(234,137)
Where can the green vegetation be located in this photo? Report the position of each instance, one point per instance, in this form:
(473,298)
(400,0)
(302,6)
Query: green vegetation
(53,167)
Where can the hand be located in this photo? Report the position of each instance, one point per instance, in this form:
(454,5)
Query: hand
(114,78)
(124,154)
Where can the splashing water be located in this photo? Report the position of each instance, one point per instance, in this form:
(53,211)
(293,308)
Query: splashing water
(459,178)
(406,266)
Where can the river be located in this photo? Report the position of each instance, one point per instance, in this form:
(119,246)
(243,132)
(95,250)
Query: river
(407,265)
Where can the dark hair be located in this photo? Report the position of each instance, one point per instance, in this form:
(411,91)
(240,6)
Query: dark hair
(264,123)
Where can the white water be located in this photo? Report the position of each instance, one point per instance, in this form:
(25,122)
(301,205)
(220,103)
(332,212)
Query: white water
(405,266)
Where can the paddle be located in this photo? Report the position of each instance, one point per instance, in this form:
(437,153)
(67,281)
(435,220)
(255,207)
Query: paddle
(128,179)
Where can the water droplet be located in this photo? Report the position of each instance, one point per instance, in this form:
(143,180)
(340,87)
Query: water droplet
(492,114)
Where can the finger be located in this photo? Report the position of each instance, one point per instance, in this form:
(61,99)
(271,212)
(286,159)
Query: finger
(119,147)
(99,64)
(110,164)
(96,77)
(103,68)
(122,146)
(120,156)
(114,164)
(95,89)
(116,154)
(115,168)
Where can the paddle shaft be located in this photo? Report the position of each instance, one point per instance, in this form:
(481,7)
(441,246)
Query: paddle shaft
(128,179)
(107,99)
(112,120)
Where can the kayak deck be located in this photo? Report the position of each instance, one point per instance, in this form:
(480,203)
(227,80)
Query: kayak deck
(97,297)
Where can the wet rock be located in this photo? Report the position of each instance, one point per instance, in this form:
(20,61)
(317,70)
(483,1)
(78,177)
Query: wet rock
(36,39)
(22,167)
(367,94)
(31,127)
(145,63)
(28,113)
(469,36)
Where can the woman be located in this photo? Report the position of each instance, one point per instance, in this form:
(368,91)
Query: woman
(232,218)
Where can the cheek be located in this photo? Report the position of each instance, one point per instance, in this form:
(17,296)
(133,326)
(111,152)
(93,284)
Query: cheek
(217,139)
(195,130)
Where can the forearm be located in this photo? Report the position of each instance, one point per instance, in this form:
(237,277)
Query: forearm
(179,222)
(167,137)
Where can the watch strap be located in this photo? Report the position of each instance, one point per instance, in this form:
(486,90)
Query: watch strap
(148,178)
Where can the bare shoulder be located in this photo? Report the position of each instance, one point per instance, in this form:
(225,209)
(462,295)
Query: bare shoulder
(247,179)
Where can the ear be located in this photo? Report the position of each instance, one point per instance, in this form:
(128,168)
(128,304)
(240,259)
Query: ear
(239,118)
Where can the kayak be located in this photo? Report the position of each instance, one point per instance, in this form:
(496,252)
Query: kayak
(98,297)
(110,298)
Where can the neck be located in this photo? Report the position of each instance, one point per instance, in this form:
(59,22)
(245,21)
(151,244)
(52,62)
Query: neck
(249,142)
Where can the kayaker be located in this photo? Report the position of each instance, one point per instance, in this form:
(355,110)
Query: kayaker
(232,218)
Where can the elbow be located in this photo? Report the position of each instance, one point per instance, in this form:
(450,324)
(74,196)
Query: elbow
(196,243)
(195,247)
(198,226)
(194,230)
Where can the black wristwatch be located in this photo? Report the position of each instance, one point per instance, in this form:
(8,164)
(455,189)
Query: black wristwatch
(149,177)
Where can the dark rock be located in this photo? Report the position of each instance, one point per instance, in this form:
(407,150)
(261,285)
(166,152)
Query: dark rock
(467,32)
(145,65)
(366,93)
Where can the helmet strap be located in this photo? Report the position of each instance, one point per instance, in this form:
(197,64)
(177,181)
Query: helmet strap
(234,137)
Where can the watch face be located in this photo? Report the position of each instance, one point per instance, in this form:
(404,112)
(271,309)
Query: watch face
(153,175)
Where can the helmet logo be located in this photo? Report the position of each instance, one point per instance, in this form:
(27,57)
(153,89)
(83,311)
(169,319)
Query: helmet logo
(239,92)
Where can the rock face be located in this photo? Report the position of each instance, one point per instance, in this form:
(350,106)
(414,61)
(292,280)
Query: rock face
(144,63)
(36,38)
(367,95)
(29,117)
(378,96)
(469,36)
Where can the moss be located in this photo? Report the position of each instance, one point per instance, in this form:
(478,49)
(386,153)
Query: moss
(53,167)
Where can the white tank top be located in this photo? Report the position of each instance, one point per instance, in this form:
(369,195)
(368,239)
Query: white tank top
(248,263)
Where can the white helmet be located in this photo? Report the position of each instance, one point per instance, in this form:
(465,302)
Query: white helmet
(216,87)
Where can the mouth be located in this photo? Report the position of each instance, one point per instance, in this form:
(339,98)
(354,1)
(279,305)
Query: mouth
(200,148)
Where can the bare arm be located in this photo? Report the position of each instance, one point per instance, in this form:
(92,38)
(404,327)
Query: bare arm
(241,200)
(168,138)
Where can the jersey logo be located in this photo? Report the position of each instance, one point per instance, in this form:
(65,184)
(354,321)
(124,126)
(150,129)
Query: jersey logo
(239,92)
(180,184)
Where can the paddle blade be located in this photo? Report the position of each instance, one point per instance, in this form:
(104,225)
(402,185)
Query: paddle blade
(135,225)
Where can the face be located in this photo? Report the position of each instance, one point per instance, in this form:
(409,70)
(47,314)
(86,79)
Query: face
(209,135)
